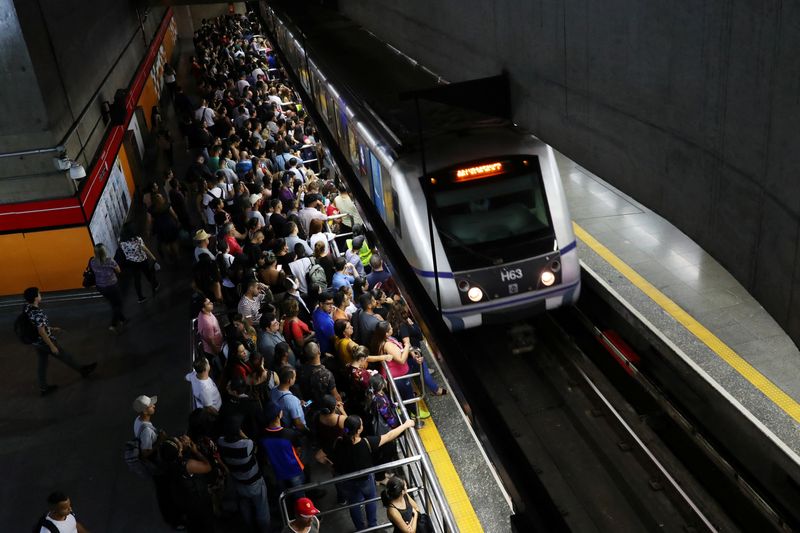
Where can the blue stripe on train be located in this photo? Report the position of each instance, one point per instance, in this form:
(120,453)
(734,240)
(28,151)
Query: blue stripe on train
(449,275)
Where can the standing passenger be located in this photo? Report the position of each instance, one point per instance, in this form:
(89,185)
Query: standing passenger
(105,271)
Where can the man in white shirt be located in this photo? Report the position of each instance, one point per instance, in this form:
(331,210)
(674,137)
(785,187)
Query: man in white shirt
(311,211)
(204,391)
(219,191)
(60,518)
(205,113)
(143,428)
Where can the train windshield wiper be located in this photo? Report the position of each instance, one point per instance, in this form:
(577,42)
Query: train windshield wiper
(464,246)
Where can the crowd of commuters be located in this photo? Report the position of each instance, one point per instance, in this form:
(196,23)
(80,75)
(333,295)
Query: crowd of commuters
(296,311)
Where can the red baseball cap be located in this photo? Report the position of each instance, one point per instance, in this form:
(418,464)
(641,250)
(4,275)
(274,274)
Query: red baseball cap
(305,508)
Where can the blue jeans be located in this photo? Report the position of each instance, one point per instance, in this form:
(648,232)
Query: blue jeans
(113,294)
(43,352)
(358,490)
(406,391)
(286,484)
(253,504)
(413,367)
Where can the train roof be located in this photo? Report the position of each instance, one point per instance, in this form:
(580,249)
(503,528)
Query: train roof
(367,71)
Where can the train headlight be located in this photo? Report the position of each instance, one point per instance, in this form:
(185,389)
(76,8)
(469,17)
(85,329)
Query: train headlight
(548,278)
(475,294)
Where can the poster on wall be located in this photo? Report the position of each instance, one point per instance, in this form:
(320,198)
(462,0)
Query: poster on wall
(157,70)
(112,209)
(137,134)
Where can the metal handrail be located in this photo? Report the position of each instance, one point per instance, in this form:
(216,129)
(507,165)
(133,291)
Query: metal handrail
(341,479)
(192,354)
(438,499)
(428,487)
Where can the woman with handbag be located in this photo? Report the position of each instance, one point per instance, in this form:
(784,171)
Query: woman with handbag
(382,418)
(402,511)
(141,260)
(105,276)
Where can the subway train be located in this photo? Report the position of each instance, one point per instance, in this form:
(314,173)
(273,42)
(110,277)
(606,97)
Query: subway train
(489,197)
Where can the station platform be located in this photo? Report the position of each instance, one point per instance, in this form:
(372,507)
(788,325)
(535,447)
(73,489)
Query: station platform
(690,301)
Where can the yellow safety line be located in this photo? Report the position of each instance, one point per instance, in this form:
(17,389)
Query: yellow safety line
(457,498)
(762,383)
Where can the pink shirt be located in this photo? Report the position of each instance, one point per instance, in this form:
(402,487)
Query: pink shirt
(209,331)
(396,369)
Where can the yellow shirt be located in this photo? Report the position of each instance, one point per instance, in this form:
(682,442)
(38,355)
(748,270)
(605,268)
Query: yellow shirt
(344,349)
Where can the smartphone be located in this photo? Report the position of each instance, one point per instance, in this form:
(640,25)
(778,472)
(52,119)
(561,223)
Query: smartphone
(309,402)
(279,267)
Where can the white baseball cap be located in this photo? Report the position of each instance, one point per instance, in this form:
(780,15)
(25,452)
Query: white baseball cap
(143,402)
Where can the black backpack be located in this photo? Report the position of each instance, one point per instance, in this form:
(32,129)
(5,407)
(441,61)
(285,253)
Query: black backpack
(46,523)
(25,330)
(355,321)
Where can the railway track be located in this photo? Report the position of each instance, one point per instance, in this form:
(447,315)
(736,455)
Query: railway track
(607,449)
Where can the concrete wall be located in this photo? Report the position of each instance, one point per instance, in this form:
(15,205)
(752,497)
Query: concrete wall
(692,108)
(72,47)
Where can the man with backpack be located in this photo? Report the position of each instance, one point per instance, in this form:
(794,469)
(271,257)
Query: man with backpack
(33,327)
(142,458)
(59,518)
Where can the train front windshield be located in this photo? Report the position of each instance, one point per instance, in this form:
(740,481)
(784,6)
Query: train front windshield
(491,213)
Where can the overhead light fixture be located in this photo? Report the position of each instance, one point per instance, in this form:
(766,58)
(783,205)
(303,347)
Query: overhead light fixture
(62,162)
(76,171)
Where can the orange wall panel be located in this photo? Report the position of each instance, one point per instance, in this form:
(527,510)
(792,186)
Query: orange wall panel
(52,260)
(126,169)
(147,100)
(60,256)
(17,271)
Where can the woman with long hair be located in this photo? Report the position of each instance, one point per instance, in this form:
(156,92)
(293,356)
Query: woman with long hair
(330,423)
(357,383)
(237,365)
(105,272)
(401,510)
(261,380)
(324,259)
(295,331)
(400,318)
(382,343)
(317,233)
(382,418)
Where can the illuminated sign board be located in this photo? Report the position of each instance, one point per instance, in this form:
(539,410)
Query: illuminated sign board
(478,172)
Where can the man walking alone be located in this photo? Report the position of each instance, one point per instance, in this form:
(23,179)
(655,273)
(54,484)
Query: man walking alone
(46,344)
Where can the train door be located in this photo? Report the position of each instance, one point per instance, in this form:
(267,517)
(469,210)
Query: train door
(377,185)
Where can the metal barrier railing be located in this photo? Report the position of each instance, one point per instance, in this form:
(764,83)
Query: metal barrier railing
(419,476)
(407,462)
(192,354)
